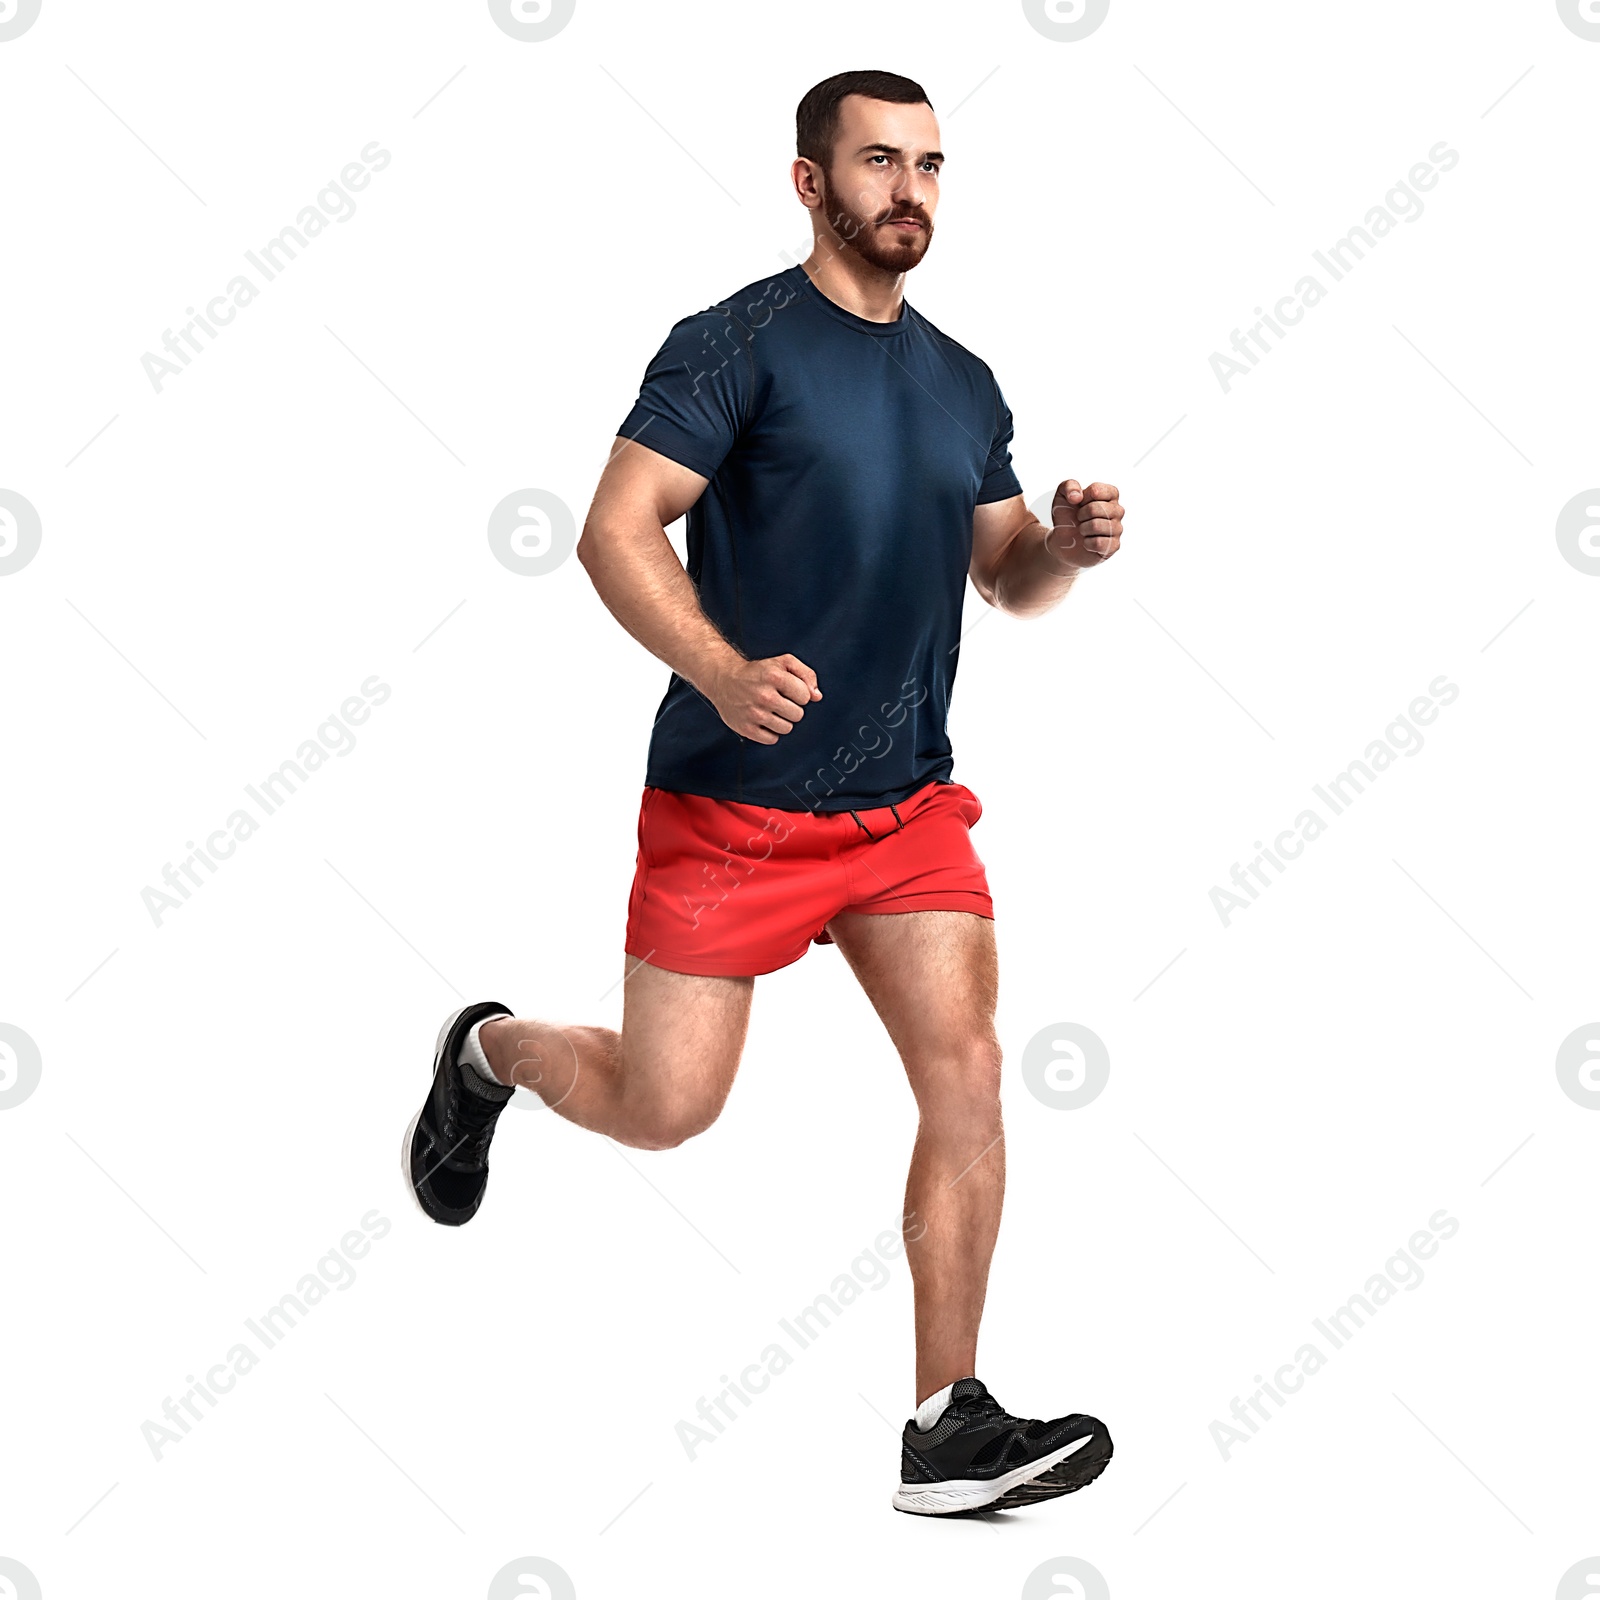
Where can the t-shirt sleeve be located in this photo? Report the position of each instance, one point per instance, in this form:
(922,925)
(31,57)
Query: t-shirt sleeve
(696,392)
(999,481)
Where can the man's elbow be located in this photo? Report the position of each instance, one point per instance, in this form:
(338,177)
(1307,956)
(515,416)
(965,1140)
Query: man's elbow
(988,588)
(615,526)
(594,543)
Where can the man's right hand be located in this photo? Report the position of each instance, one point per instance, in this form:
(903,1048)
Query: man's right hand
(762,700)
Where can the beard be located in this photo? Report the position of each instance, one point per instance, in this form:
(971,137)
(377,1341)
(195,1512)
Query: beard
(888,249)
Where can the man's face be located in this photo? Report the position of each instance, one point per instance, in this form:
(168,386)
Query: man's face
(882,185)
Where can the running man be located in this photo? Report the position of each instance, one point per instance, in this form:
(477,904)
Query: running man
(844,467)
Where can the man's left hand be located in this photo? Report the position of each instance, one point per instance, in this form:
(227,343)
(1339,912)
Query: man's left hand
(1088,523)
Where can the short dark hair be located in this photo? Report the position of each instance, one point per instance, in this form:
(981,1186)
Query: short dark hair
(816,120)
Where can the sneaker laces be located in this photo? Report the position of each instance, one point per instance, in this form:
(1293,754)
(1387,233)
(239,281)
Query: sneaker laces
(985,1408)
(469,1121)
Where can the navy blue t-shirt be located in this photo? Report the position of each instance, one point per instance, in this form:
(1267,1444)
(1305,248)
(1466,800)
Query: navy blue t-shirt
(845,458)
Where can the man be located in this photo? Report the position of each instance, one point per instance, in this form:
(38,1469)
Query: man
(844,467)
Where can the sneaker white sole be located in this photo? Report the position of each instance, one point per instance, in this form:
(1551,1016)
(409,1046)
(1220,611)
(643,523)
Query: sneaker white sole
(411,1127)
(405,1162)
(972,1494)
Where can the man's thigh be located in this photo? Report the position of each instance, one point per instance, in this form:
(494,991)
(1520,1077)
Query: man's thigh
(932,976)
(682,1031)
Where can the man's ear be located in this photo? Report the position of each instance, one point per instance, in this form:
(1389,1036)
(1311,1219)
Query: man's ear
(806,185)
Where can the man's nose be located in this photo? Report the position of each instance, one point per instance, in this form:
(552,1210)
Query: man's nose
(908,188)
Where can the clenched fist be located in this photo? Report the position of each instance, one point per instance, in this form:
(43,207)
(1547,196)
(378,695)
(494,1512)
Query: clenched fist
(762,700)
(1088,523)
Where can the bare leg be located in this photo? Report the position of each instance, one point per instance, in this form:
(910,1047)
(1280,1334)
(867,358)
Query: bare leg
(932,976)
(663,1078)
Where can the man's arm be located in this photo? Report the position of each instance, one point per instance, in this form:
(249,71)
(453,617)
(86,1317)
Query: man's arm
(631,562)
(1022,566)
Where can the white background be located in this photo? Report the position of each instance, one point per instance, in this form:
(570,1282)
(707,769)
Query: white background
(222,1096)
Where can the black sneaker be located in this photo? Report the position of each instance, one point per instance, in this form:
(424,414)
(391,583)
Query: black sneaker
(445,1158)
(978,1457)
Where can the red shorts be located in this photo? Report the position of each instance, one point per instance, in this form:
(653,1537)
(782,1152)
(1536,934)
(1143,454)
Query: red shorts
(733,890)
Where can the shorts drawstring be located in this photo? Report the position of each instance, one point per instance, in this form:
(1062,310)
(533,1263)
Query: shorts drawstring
(868,831)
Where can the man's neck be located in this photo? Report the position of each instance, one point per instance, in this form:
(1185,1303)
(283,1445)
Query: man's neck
(856,285)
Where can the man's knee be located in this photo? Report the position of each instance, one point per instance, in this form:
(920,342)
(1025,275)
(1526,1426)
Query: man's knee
(669,1123)
(962,1081)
